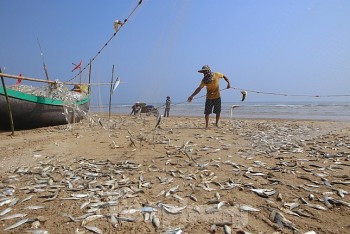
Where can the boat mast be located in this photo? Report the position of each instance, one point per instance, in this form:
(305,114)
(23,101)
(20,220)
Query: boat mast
(44,65)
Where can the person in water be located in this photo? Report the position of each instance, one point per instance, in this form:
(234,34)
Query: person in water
(213,98)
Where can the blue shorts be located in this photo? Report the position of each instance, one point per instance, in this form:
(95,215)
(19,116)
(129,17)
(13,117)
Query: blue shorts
(211,104)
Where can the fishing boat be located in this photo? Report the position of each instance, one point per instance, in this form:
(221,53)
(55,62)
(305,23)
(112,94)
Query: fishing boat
(57,105)
(33,109)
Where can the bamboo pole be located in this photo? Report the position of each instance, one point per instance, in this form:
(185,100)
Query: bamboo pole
(110,95)
(48,81)
(90,77)
(8,104)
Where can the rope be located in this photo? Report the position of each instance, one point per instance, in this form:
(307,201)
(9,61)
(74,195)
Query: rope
(114,34)
(268,93)
(291,95)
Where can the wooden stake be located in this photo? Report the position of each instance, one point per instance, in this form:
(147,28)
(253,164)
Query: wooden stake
(110,95)
(8,104)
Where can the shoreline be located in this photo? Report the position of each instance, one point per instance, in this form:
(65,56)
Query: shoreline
(229,118)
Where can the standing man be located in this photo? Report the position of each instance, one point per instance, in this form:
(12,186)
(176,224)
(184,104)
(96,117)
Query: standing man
(213,99)
(167,107)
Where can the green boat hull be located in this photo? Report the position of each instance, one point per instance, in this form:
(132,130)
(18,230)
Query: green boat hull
(30,111)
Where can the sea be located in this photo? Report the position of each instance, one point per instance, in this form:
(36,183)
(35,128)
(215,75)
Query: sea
(335,111)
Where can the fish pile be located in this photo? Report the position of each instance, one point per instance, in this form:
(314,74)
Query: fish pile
(284,175)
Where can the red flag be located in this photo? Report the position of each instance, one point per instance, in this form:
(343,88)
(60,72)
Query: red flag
(77,66)
(19,80)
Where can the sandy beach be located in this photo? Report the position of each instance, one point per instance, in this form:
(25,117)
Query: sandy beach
(123,175)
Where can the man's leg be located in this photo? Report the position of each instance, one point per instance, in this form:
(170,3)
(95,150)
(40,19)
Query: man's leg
(206,121)
(217,120)
(217,110)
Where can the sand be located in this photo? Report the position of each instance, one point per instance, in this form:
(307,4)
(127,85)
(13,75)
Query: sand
(210,175)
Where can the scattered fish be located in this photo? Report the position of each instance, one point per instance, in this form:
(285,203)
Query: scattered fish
(19,223)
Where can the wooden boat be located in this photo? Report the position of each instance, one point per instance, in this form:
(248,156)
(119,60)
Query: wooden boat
(32,111)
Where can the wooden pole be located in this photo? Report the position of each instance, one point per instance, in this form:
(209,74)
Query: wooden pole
(8,104)
(110,95)
(50,81)
(90,77)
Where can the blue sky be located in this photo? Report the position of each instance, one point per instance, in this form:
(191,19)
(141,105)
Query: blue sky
(292,47)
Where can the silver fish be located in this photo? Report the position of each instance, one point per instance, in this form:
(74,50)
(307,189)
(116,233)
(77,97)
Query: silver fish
(5,211)
(248,208)
(264,192)
(94,229)
(27,198)
(156,222)
(6,201)
(278,218)
(171,209)
(37,231)
(34,207)
(172,190)
(19,223)
(91,218)
(13,216)
(227,229)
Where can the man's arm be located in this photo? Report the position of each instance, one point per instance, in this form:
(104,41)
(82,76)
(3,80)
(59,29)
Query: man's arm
(194,94)
(227,80)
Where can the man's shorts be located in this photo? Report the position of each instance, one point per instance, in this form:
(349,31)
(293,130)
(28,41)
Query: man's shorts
(212,103)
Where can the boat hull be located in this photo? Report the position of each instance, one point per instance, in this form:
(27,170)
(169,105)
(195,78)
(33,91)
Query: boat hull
(29,111)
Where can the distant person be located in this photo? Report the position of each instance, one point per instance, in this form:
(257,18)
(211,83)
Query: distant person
(213,99)
(167,106)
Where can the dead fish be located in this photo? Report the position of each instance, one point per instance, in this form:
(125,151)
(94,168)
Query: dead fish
(206,187)
(192,197)
(171,209)
(126,219)
(221,204)
(80,195)
(316,206)
(161,193)
(91,218)
(27,198)
(178,198)
(329,201)
(264,192)
(302,213)
(227,229)
(281,221)
(94,229)
(19,223)
(326,182)
(156,222)
(172,190)
(248,208)
(342,193)
(5,211)
(244,94)
(213,229)
(84,204)
(38,231)
(13,216)
(6,201)
(34,207)
(291,205)
(159,119)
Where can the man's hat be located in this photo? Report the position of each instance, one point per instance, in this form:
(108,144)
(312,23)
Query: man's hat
(204,68)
